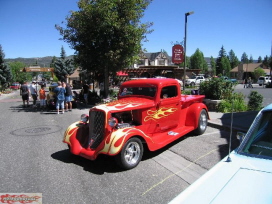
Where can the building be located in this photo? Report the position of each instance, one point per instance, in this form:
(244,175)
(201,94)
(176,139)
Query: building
(243,71)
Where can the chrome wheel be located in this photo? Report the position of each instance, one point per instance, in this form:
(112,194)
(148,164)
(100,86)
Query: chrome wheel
(131,154)
(202,122)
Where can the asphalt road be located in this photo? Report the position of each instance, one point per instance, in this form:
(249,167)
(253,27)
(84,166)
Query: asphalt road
(265,92)
(34,160)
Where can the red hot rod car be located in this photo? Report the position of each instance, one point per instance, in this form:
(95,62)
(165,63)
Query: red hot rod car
(151,111)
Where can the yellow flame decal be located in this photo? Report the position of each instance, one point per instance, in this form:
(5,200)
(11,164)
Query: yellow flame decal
(70,131)
(111,148)
(158,114)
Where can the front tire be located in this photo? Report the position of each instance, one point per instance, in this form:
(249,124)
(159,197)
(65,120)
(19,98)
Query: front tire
(131,154)
(202,122)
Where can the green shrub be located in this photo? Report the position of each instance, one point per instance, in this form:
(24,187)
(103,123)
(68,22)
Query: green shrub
(217,88)
(186,92)
(255,101)
(235,102)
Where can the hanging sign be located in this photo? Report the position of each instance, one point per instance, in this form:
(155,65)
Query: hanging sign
(177,54)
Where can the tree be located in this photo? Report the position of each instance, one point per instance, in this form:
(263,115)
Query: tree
(260,59)
(225,63)
(259,72)
(17,74)
(266,62)
(234,62)
(270,64)
(5,73)
(213,66)
(63,67)
(244,58)
(106,34)
(251,59)
(197,60)
(219,66)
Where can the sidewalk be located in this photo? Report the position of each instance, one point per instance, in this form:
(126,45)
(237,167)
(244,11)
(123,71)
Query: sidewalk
(241,120)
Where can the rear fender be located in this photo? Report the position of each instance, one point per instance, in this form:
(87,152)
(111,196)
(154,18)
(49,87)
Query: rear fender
(193,114)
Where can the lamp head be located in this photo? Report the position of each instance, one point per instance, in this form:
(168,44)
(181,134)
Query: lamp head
(189,13)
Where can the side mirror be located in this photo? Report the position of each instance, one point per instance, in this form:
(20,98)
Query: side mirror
(240,136)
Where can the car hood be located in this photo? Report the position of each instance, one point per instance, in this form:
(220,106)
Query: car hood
(127,104)
(243,180)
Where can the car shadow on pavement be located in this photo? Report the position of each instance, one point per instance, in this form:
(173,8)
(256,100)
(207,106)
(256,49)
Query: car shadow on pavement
(99,166)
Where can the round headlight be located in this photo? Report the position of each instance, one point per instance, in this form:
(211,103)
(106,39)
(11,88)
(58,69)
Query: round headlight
(84,118)
(113,122)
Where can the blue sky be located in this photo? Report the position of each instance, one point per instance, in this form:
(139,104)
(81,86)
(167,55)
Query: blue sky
(27,27)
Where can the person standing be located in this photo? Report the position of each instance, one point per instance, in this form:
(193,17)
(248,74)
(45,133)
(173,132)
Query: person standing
(249,83)
(33,91)
(245,83)
(42,97)
(60,96)
(68,97)
(85,92)
(24,92)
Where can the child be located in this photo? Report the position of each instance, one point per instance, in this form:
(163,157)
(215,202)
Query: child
(42,97)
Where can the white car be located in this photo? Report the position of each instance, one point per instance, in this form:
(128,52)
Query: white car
(195,80)
(244,176)
(264,80)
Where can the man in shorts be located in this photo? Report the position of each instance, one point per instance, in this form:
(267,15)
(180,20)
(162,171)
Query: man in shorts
(24,92)
(68,96)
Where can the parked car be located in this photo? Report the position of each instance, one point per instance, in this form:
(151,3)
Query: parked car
(244,176)
(264,80)
(149,112)
(15,85)
(229,79)
(195,80)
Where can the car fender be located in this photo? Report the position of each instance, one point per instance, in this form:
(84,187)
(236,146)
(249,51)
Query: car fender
(193,113)
(115,141)
(70,136)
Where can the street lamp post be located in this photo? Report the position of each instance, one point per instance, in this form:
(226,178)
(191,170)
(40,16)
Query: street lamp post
(185,38)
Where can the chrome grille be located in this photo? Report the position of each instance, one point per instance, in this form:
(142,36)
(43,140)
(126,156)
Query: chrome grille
(97,125)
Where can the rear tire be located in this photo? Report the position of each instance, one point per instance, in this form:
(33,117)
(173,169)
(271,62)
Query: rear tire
(202,122)
(131,154)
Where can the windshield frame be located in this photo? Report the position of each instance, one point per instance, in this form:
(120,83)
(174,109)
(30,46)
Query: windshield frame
(256,135)
(147,91)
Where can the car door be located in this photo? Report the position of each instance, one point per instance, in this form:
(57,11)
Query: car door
(168,109)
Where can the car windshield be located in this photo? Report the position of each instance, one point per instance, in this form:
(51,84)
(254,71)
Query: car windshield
(259,143)
(138,91)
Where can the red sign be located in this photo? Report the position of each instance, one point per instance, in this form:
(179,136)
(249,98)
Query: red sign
(177,54)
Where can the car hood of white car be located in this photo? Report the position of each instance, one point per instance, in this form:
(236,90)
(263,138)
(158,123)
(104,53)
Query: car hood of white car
(242,180)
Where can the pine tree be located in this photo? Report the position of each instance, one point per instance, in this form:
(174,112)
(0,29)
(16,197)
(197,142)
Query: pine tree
(5,72)
(233,59)
(251,59)
(213,66)
(219,66)
(244,58)
(63,67)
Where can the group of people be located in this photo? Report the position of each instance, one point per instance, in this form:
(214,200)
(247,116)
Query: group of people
(63,94)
